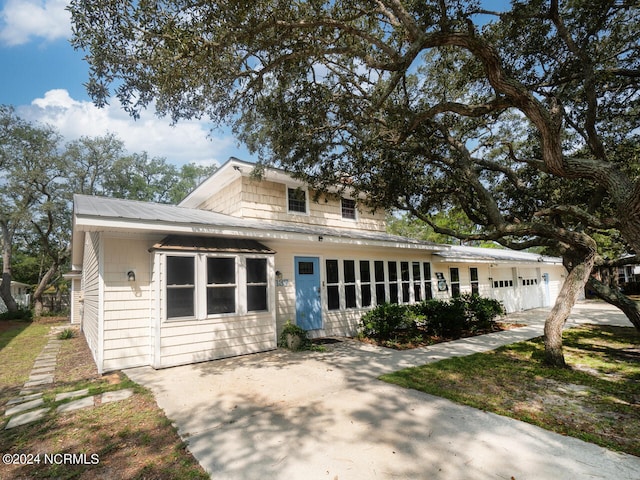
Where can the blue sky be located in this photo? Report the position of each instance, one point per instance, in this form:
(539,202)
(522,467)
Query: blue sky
(42,77)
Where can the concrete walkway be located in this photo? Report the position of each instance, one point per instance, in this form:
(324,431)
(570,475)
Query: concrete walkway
(284,415)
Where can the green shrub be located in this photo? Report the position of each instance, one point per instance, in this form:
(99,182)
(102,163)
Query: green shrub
(66,334)
(20,314)
(442,318)
(385,321)
(484,312)
(293,330)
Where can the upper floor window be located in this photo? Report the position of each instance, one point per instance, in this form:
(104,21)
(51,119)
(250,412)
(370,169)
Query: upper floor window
(296,200)
(348,208)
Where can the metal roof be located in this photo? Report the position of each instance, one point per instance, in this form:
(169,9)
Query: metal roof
(461,253)
(132,211)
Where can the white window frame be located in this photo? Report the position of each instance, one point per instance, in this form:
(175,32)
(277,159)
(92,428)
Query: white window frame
(306,199)
(264,284)
(207,285)
(355,209)
(165,277)
(201,285)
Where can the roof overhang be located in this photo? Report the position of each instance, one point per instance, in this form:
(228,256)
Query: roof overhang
(193,243)
(495,257)
(130,217)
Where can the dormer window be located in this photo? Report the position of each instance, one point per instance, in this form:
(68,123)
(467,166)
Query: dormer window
(296,200)
(348,208)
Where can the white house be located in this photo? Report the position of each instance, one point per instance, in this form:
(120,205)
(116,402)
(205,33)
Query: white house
(219,274)
(20,293)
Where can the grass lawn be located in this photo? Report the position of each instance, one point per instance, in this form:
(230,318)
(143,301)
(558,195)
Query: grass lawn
(131,439)
(597,399)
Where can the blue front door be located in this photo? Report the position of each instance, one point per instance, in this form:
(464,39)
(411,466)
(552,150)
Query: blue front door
(308,301)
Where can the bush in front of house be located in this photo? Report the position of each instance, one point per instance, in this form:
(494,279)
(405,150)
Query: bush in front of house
(484,311)
(439,318)
(387,321)
(20,314)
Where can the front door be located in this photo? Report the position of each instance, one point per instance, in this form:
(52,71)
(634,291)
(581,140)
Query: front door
(308,302)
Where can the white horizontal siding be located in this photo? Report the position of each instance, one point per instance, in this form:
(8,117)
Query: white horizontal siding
(196,341)
(91,293)
(127,305)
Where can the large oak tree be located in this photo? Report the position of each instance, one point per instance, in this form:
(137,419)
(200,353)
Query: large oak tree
(425,105)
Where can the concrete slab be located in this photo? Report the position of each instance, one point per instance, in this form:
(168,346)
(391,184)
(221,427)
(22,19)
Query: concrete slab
(46,356)
(76,405)
(24,398)
(116,395)
(76,393)
(25,418)
(283,415)
(34,377)
(39,382)
(44,364)
(23,407)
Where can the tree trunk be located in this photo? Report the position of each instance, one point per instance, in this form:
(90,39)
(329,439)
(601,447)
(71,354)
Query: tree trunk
(576,279)
(5,286)
(5,293)
(618,299)
(42,286)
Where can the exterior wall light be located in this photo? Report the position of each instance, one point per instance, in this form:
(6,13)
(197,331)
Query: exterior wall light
(131,276)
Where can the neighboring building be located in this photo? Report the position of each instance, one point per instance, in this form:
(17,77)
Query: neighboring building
(221,273)
(629,279)
(20,293)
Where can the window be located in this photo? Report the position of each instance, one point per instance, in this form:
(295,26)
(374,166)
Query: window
(475,285)
(406,286)
(365,282)
(417,284)
(350,283)
(454,275)
(221,285)
(393,282)
(379,276)
(257,284)
(180,287)
(428,293)
(333,288)
(348,208)
(203,285)
(296,200)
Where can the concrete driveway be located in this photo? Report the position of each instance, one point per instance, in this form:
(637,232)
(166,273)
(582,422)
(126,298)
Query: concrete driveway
(284,415)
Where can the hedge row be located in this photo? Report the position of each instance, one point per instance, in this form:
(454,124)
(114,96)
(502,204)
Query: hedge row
(442,318)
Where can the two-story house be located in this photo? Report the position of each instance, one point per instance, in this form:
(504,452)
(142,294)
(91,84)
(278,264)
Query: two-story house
(219,274)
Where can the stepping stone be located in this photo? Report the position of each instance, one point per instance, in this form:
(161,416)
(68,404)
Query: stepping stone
(44,364)
(23,407)
(24,398)
(77,393)
(48,356)
(116,395)
(39,376)
(76,405)
(42,371)
(26,418)
(30,390)
(39,383)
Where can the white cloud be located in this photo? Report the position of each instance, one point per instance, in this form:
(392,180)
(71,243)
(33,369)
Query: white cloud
(188,141)
(22,20)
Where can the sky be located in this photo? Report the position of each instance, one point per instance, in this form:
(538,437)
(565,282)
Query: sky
(42,76)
